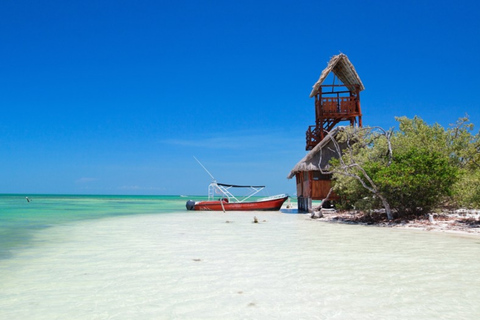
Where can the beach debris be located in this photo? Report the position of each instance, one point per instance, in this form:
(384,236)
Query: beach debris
(240,292)
(289,204)
(228,221)
(197,260)
(255,220)
(252,304)
(316,214)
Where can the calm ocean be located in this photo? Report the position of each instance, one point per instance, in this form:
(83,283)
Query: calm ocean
(21,219)
(130,257)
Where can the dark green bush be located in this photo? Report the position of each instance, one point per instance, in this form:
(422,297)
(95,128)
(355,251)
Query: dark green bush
(417,181)
(430,166)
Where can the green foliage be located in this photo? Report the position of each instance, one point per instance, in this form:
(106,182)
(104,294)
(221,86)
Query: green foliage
(362,149)
(353,194)
(417,180)
(464,147)
(467,189)
(430,166)
(415,133)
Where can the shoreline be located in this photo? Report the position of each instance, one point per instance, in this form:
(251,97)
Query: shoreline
(186,264)
(459,223)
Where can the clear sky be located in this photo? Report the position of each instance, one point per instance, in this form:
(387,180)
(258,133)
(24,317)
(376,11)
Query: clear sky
(116,97)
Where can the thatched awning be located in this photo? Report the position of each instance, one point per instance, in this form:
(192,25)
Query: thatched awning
(311,161)
(345,72)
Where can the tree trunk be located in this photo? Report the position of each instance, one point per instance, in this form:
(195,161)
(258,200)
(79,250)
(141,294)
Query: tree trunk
(386,205)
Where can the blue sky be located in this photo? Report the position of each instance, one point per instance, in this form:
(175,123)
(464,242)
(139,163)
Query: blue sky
(116,97)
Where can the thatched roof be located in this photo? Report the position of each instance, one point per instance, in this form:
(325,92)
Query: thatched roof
(343,69)
(311,161)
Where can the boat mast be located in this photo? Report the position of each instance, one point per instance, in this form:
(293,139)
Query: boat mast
(213,178)
(213,185)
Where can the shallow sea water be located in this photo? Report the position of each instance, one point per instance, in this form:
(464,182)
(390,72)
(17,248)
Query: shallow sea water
(210,265)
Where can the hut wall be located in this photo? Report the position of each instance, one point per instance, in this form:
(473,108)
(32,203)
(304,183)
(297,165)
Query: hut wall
(303,184)
(299,179)
(306,189)
(320,189)
(309,186)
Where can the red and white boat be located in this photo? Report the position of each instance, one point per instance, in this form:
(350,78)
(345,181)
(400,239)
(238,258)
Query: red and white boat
(228,202)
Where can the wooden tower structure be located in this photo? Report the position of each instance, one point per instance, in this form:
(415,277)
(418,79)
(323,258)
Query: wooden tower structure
(335,102)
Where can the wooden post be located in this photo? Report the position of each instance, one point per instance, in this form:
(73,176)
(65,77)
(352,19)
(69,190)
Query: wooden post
(359,110)
(304,204)
(310,184)
(300,203)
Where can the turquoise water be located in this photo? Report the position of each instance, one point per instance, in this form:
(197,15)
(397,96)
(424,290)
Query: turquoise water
(121,257)
(20,219)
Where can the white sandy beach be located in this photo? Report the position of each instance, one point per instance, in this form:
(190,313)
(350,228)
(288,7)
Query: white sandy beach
(212,265)
(462,222)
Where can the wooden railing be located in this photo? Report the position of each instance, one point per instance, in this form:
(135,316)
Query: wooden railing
(342,105)
(329,113)
(312,137)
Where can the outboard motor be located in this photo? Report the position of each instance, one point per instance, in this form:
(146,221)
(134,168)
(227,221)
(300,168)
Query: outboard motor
(190,205)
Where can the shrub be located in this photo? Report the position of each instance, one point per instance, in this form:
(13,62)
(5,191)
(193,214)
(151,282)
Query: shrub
(467,189)
(417,180)
(426,166)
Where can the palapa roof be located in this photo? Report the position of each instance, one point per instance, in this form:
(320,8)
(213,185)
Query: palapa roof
(311,161)
(345,72)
